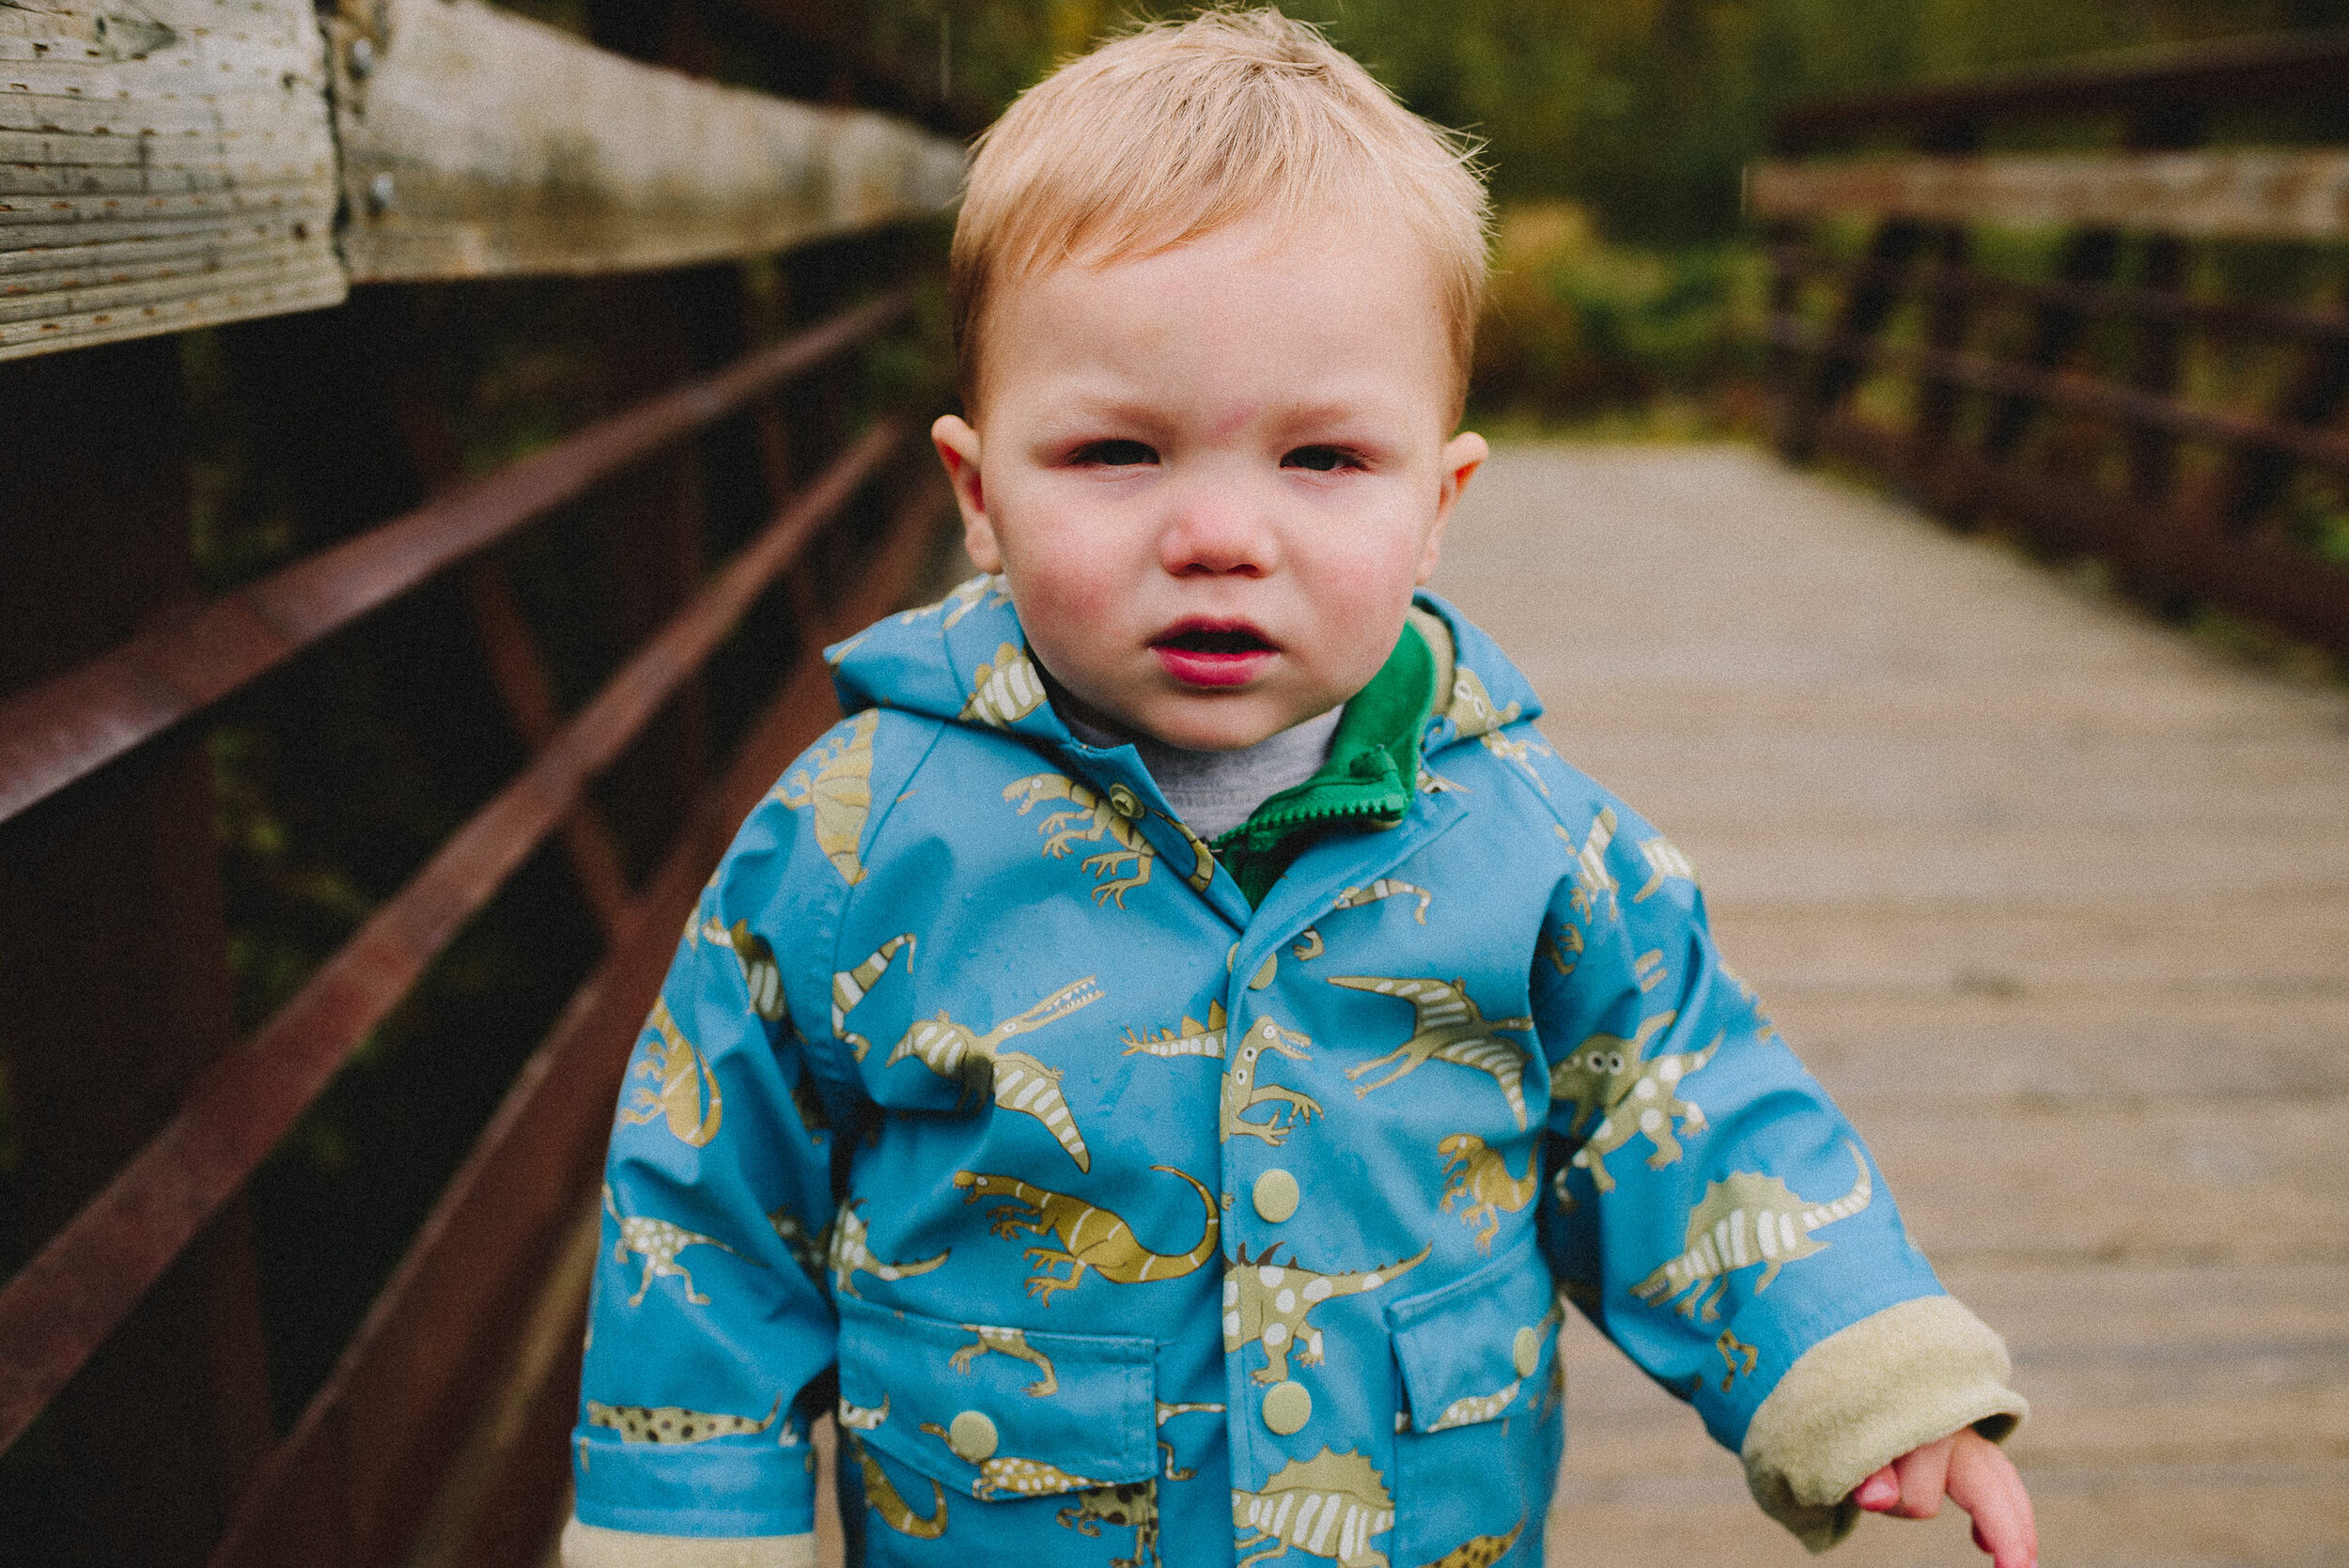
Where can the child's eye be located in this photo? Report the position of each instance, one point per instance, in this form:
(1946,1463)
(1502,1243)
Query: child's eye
(1114,454)
(1321,460)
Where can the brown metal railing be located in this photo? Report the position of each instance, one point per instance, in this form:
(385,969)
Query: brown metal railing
(347,1486)
(2081,407)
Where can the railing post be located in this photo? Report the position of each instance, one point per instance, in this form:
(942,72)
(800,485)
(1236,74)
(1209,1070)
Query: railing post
(114,970)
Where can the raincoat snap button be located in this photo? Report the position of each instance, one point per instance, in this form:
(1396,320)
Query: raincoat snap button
(1287,1406)
(1527,1351)
(971,1436)
(1276,1195)
(1124,801)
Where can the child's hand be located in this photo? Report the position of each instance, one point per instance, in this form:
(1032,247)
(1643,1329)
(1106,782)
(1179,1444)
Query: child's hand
(1978,1477)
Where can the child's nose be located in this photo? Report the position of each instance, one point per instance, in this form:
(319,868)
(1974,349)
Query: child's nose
(1217,530)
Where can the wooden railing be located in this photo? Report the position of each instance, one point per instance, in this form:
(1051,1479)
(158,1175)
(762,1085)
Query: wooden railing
(2126,399)
(439,1436)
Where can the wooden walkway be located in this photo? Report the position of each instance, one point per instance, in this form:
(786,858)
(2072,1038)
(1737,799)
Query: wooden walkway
(2056,903)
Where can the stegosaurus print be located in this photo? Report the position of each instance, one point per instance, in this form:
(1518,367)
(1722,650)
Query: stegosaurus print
(1748,1220)
(1005,690)
(1332,1506)
(1189,1038)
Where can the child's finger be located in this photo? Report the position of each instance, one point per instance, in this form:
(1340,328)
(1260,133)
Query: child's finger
(1924,1474)
(1879,1492)
(1984,1483)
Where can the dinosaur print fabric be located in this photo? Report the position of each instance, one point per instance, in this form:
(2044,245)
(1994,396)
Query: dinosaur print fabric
(1160,1229)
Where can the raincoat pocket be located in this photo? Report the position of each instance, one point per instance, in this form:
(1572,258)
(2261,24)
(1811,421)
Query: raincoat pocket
(1477,1449)
(998,1412)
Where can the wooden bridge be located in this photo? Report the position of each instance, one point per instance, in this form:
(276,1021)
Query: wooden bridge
(2056,902)
(2055,898)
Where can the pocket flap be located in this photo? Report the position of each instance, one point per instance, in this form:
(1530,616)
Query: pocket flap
(998,1412)
(1467,1350)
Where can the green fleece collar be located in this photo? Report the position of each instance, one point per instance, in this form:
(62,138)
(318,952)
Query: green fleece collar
(1367,781)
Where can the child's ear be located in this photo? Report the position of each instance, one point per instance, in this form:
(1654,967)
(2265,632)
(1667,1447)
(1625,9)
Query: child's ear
(1462,455)
(957,447)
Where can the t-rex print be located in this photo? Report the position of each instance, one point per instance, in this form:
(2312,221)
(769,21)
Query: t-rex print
(1356,899)
(1018,1081)
(841,787)
(1007,1476)
(1266,1304)
(1132,1504)
(1090,820)
(1478,1180)
(1005,690)
(850,986)
(671,1423)
(1189,1038)
(1333,1505)
(762,978)
(1092,1239)
(895,1513)
(659,1242)
(851,1256)
(1646,1106)
(1481,1552)
(1446,1026)
(1006,1342)
(1242,1093)
(688,1097)
(1749,1219)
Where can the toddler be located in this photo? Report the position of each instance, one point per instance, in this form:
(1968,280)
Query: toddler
(1157,1069)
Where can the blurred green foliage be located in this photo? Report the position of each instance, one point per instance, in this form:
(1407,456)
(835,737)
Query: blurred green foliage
(1643,111)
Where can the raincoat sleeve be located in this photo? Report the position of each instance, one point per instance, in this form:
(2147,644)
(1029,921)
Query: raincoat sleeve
(1713,1212)
(710,1323)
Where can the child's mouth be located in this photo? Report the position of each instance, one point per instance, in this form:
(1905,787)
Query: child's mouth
(1213,653)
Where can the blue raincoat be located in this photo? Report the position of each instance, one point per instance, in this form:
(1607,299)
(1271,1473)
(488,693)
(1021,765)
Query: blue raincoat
(1140,1224)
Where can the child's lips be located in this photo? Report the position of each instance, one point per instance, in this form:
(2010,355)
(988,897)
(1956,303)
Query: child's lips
(1211,654)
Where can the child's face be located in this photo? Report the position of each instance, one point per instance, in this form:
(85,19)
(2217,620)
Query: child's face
(1213,476)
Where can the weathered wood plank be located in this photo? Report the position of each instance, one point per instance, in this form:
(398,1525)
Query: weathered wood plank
(162,166)
(2211,195)
(174,166)
(476,143)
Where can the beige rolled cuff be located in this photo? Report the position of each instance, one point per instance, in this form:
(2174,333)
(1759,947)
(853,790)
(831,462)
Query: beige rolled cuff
(1858,1400)
(594,1547)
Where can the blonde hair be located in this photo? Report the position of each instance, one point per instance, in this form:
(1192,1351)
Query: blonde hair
(1174,129)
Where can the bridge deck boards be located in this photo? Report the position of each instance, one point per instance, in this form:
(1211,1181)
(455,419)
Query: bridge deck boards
(2057,902)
